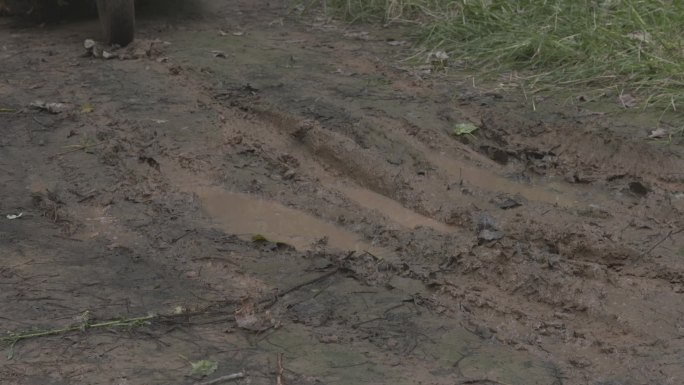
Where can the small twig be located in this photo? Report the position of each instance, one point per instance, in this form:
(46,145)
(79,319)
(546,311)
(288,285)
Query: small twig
(482,380)
(393,307)
(281,370)
(14,338)
(372,255)
(39,122)
(67,238)
(229,377)
(349,366)
(299,286)
(181,236)
(663,239)
(78,148)
(356,325)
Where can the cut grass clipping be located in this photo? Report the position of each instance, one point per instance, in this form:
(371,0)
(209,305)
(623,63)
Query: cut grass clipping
(599,45)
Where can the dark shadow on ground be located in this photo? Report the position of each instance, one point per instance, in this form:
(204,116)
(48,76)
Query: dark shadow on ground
(27,12)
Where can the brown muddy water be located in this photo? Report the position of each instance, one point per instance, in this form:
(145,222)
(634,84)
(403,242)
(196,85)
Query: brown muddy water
(246,215)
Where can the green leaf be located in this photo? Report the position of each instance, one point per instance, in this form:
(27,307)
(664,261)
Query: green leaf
(86,108)
(258,238)
(464,129)
(203,367)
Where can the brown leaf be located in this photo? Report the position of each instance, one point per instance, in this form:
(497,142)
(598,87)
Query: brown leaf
(247,318)
(627,100)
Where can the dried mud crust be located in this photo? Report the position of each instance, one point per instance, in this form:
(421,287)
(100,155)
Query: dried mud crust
(546,250)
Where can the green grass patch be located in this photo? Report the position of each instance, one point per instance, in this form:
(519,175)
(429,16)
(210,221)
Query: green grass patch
(590,45)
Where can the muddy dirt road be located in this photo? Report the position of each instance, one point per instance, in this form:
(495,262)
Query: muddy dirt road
(262,185)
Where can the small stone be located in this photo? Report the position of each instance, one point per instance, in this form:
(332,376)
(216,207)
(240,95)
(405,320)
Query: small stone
(484,221)
(329,339)
(219,54)
(89,44)
(580,362)
(392,343)
(508,203)
(289,174)
(487,235)
(553,260)
(484,332)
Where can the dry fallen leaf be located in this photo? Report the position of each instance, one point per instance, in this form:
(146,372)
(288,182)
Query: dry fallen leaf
(396,42)
(627,100)
(218,53)
(641,36)
(658,133)
(86,108)
(53,108)
(361,35)
(247,318)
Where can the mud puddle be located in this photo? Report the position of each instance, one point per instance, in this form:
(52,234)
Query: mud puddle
(247,216)
(489,181)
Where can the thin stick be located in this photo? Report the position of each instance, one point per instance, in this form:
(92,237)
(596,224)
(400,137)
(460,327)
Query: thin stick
(281,370)
(78,148)
(12,339)
(230,377)
(182,236)
(299,286)
(481,381)
(126,322)
(663,239)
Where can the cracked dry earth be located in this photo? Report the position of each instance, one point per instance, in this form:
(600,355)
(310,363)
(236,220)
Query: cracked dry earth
(272,185)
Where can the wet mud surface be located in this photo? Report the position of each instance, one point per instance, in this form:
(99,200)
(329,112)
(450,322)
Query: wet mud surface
(271,185)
